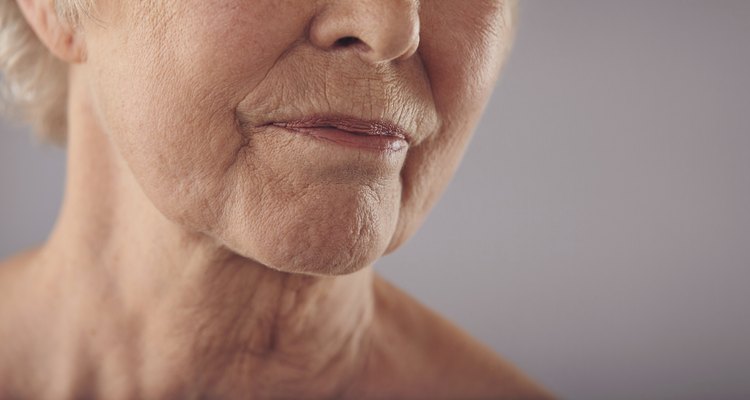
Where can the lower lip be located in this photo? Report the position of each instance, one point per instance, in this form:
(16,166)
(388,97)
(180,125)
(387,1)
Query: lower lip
(366,142)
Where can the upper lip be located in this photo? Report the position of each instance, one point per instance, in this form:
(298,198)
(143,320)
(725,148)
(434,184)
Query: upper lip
(375,127)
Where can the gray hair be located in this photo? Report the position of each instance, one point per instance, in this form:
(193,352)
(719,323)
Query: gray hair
(33,82)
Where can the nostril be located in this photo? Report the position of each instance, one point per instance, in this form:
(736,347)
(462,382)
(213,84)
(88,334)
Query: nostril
(346,41)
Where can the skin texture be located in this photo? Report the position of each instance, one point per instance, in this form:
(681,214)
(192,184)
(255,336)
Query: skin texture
(201,253)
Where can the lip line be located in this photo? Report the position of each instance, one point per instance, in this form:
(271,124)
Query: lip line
(351,125)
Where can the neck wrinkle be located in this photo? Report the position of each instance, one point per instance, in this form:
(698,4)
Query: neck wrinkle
(169,308)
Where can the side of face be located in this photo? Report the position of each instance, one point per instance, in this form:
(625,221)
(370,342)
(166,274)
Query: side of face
(186,89)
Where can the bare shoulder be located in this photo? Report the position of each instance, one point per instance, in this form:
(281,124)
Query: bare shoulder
(14,332)
(426,356)
(11,268)
(14,291)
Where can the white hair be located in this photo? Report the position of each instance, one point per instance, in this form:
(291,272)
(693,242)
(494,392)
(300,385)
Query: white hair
(33,82)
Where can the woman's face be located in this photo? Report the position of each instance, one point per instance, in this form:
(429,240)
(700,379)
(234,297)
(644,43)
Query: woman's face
(193,93)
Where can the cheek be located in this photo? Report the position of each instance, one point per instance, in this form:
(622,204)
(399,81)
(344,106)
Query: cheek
(463,64)
(177,138)
(167,92)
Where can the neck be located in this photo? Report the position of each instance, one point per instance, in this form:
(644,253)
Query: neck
(150,306)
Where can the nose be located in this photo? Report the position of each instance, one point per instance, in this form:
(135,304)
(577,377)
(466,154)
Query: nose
(378,30)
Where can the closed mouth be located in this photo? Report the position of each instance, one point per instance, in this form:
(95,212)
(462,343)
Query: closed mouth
(355,126)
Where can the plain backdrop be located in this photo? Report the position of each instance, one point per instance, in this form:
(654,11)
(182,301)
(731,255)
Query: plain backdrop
(598,232)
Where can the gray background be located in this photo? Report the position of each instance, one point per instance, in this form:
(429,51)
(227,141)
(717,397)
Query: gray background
(598,231)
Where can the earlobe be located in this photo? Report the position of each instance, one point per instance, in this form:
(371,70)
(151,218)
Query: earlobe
(60,38)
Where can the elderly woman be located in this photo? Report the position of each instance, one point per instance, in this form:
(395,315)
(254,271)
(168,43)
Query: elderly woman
(235,169)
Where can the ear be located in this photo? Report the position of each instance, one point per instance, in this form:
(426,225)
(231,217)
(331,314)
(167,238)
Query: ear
(60,38)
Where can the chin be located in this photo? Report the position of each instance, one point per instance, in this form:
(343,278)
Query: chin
(331,255)
(337,243)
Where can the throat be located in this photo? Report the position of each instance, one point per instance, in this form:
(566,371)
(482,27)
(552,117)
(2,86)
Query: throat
(272,333)
(237,329)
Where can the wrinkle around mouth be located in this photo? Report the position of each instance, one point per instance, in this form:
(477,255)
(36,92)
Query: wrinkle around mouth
(317,89)
(242,121)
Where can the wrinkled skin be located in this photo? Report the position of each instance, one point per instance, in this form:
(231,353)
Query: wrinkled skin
(173,80)
(201,253)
